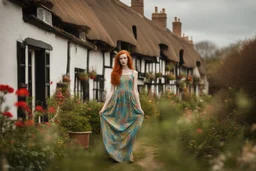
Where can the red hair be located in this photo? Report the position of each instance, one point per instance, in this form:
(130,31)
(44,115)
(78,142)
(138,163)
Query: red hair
(117,70)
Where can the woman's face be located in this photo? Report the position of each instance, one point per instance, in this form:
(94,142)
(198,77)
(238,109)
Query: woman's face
(123,59)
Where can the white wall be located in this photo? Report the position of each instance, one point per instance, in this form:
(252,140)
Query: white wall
(108,79)
(107,59)
(78,59)
(95,62)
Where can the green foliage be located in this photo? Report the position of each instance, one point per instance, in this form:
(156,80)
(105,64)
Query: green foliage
(206,137)
(92,112)
(74,122)
(149,104)
(150,76)
(169,66)
(33,148)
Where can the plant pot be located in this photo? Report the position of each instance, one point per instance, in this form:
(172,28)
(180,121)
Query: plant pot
(82,138)
(65,78)
(83,77)
(93,77)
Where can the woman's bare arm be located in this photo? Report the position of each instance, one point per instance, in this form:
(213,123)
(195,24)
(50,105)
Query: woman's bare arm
(135,90)
(108,97)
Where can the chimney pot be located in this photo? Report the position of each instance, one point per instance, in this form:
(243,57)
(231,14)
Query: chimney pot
(175,18)
(163,10)
(156,10)
(178,19)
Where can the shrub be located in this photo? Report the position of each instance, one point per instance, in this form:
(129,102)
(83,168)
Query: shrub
(148,104)
(242,60)
(92,112)
(74,122)
(34,148)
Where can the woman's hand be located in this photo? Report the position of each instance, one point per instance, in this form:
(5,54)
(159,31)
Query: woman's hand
(101,111)
(142,111)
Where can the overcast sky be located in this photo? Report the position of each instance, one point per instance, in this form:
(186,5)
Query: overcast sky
(220,21)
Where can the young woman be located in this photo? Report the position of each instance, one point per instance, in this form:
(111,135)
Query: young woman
(121,115)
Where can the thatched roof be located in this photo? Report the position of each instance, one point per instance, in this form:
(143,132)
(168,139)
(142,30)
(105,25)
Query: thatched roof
(79,13)
(110,21)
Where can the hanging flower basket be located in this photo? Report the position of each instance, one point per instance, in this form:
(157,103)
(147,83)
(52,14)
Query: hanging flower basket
(170,76)
(65,78)
(83,76)
(189,79)
(150,76)
(181,76)
(159,74)
(196,80)
(169,67)
(93,74)
(182,85)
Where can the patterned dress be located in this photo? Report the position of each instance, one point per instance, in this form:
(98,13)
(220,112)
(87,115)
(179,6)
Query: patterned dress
(121,121)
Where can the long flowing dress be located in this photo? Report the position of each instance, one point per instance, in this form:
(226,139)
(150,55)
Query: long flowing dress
(121,121)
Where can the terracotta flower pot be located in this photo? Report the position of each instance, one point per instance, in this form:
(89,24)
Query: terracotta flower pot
(82,138)
(93,77)
(83,77)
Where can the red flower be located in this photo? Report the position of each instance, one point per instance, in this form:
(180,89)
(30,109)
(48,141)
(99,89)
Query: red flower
(8,114)
(47,123)
(10,89)
(51,110)
(29,122)
(22,104)
(19,124)
(22,92)
(51,82)
(39,108)
(6,88)
(199,130)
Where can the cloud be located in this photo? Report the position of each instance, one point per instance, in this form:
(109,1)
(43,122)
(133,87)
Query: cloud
(221,21)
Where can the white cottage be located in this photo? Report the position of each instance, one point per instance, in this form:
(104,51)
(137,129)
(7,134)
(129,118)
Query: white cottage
(42,40)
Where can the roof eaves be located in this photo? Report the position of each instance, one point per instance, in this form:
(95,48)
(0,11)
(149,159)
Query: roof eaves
(35,21)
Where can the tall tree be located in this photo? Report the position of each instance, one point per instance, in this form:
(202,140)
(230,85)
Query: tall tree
(206,48)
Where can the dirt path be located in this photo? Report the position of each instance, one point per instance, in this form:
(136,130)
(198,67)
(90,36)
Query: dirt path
(148,162)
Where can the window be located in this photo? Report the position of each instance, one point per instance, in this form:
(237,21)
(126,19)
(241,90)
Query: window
(47,75)
(134,30)
(44,15)
(98,89)
(82,36)
(21,61)
(181,57)
(81,87)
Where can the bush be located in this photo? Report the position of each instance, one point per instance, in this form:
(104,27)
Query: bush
(148,104)
(74,122)
(242,60)
(33,148)
(92,112)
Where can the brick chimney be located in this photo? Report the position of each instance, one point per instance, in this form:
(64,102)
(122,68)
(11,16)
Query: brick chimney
(160,18)
(138,6)
(191,40)
(176,26)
